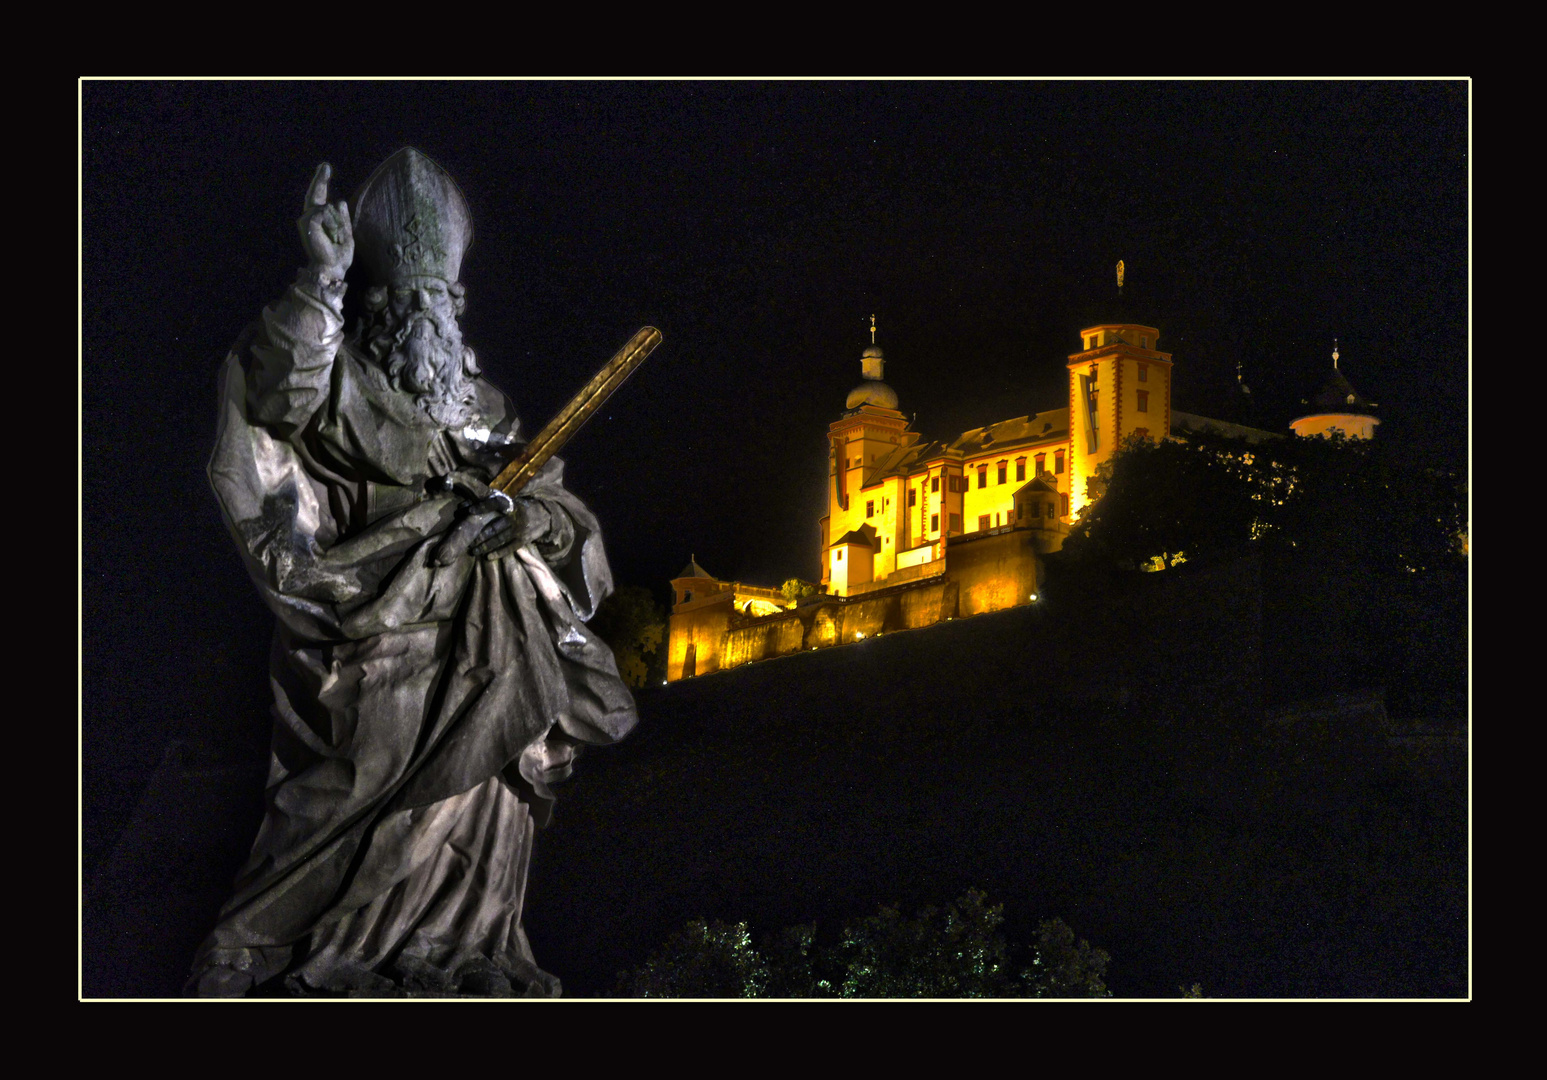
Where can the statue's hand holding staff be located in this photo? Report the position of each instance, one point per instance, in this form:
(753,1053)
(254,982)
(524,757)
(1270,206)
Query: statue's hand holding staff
(326,231)
(494,524)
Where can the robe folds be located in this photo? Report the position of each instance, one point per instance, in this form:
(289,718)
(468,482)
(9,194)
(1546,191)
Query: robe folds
(421,711)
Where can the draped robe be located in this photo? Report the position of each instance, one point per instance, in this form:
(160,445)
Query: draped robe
(421,712)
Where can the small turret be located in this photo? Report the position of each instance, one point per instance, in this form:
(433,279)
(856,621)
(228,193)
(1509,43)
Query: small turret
(1338,407)
(873,391)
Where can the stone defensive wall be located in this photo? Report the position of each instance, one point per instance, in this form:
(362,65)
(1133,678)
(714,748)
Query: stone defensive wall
(982,572)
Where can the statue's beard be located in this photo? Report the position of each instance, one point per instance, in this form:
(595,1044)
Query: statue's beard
(424,357)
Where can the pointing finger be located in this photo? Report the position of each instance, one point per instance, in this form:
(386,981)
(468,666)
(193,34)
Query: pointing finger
(317,193)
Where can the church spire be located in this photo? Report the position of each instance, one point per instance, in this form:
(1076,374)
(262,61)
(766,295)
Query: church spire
(872,329)
(1334,354)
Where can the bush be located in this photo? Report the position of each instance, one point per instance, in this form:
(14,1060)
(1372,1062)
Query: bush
(630,622)
(953,952)
(701,960)
(1062,969)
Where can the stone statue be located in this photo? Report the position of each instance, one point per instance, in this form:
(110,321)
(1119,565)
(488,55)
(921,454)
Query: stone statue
(431,667)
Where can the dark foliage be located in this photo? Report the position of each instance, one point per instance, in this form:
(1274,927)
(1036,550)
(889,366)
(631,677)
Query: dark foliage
(630,621)
(702,960)
(957,951)
(1210,494)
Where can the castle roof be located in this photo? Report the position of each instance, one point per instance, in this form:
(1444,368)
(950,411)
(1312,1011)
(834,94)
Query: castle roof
(856,536)
(693,570)
(1338,395)
(1182,422)
(872,392)
(1114,305)
(1037,485)
(1008,434)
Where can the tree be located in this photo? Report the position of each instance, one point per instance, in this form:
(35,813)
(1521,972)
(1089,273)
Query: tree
(631,623)
(1158,500)
(795,589)
(1062,969)
(1353,500)
(957,951)
(703,959)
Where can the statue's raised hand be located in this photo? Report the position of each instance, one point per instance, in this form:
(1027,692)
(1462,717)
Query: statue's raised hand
(326,232)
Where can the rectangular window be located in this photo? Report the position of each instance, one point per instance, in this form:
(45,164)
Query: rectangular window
(1144,401)
(1020,511)
(913,497)
(982,476)
(1050,506)
(934,522)
(1020,469)
(840,554)
(1063,505)
(956,524)
(870,509)
(1144,373)
(1041,464)
(1144,343)
(1004,471)
(982,522)
(1058,462)
(934,483)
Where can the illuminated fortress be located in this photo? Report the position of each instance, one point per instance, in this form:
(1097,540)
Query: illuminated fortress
(917,532)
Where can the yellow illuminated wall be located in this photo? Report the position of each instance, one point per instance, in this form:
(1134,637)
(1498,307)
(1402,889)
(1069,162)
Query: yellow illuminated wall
(996,501)
(1352,425)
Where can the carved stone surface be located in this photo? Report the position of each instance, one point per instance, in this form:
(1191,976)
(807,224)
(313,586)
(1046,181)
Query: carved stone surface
(431,668)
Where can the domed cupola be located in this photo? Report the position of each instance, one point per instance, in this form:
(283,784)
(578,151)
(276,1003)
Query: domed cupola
(1337,407)
(873,391)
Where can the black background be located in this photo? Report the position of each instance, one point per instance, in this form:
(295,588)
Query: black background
(758,226)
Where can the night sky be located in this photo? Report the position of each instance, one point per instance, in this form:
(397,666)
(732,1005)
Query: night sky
(758,226)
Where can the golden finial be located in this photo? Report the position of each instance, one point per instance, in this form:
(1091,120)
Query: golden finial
(872,329)
(1334,354)
(1119,275)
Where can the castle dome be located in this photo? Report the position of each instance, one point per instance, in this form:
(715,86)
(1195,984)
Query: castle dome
(1338,406)
(873,391)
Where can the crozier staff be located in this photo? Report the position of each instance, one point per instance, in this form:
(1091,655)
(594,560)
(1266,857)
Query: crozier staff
(432,671)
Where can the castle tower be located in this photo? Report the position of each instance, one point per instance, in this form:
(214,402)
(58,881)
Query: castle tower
(1337,407)
(864,511)
(1119,386)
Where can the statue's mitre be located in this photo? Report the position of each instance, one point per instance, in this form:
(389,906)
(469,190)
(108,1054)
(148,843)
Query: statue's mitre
(410,220)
